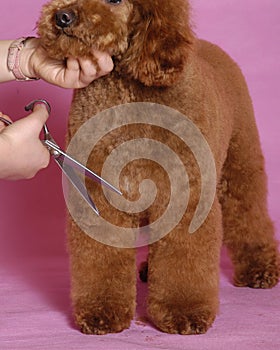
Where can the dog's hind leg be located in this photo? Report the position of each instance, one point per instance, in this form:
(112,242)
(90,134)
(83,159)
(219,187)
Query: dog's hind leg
(248,230)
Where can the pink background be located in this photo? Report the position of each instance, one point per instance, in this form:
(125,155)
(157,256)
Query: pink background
(32,236)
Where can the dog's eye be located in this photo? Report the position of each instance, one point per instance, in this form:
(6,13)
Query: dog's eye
(114,1)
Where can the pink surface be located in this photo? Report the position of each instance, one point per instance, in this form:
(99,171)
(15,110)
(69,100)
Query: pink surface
(34,287)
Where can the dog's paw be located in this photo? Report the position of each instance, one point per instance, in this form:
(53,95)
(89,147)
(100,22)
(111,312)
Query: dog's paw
(257,266)
(104,319)
(176,320)
(266,276)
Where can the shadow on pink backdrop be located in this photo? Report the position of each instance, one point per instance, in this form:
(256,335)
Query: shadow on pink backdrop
(32,212)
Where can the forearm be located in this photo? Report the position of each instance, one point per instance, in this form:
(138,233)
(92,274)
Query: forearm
(24,61)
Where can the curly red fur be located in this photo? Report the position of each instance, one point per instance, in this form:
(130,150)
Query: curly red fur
(158,59)
(141,37)
(158,50)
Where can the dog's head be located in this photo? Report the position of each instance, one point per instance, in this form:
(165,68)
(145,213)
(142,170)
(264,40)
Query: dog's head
(149,39)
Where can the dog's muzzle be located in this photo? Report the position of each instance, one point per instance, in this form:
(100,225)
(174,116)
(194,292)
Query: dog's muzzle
(64,18)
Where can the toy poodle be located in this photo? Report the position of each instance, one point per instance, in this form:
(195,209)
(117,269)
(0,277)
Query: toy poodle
(159,59)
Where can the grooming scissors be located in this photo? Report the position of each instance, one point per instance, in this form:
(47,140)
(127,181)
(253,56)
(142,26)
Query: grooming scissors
(66,163)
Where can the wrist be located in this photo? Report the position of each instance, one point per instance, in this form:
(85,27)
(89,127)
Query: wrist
(19,58)
(27,62)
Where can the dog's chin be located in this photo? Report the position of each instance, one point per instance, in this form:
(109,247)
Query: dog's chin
(67,44)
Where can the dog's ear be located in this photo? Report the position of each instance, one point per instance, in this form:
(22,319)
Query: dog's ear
(159,43)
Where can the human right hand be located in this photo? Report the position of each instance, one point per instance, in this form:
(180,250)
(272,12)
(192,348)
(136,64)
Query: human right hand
(22,153)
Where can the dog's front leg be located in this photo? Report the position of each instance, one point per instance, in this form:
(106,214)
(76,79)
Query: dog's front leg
(183,277)
(103,284)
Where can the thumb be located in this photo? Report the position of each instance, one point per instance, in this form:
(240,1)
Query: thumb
(38,117)
(40,112)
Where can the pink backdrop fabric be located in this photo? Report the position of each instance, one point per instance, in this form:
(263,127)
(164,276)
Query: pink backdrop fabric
(35,310)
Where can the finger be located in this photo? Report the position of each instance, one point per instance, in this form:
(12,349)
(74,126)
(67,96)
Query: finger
(2,124)
(104,62)
(5,116)
(88,71)
(37,118)
(46,158)
(80,72)
(72,64)
(40,112)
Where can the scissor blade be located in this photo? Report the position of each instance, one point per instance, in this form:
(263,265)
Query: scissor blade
(80,167)
(76,182)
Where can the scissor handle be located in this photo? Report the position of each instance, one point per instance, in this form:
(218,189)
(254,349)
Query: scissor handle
(6,121)
(47,135)
(31,105)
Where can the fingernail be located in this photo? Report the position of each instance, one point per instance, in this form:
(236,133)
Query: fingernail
(41,105)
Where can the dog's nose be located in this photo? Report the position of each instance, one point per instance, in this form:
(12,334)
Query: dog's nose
(64,18)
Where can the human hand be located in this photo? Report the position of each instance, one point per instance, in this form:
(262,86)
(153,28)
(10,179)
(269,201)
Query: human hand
(22,153)
(75,73)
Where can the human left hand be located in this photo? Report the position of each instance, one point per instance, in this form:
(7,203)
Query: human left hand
(73,73)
